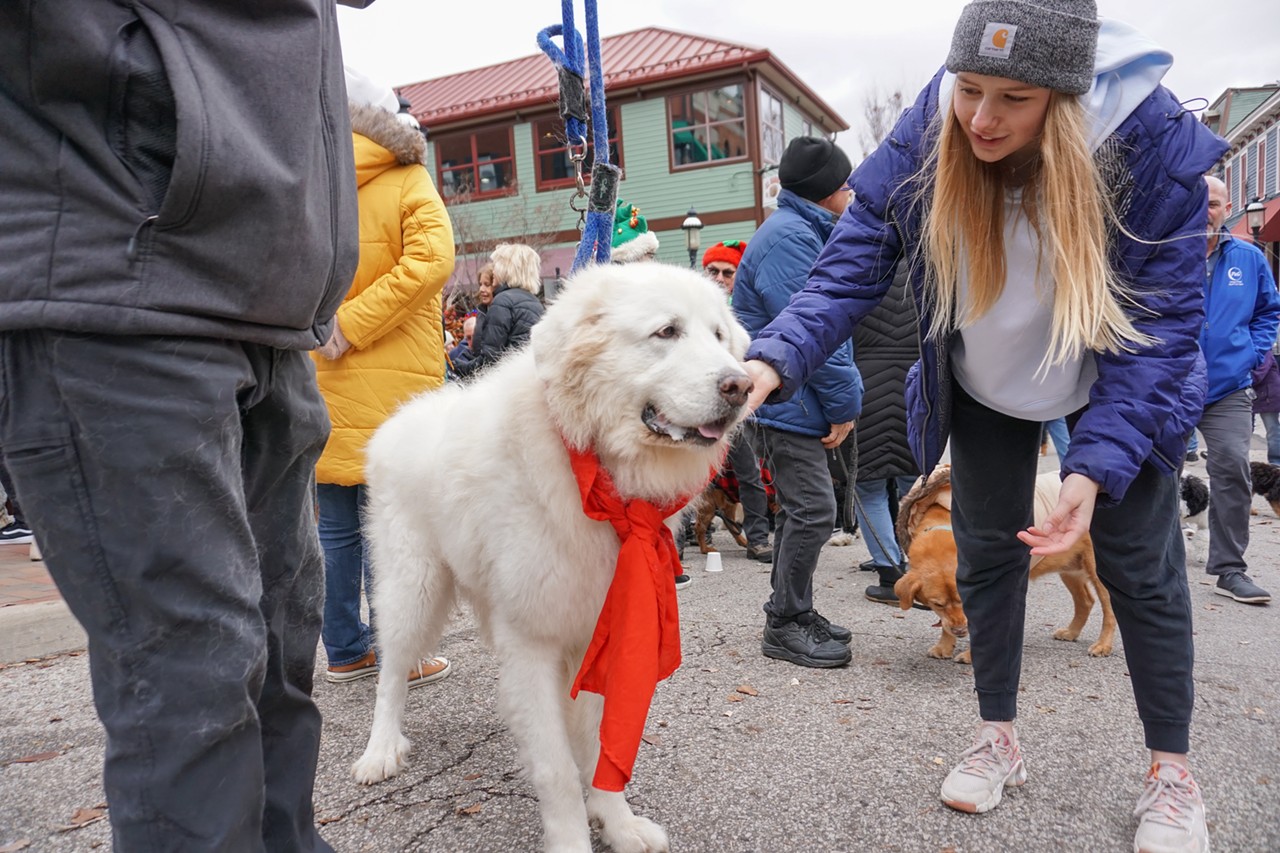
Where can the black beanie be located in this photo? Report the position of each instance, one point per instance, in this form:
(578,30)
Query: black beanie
(813,168)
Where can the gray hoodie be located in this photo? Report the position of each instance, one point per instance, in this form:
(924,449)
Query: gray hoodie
(175,168)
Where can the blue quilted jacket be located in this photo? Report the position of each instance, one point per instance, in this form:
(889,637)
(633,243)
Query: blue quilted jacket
(774,268)
(1143,404)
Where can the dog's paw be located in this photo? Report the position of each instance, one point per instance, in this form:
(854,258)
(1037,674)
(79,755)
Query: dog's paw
(940,652)
(709,549)
(1100,649)
(381,761)
(965,656)
(1066,634)
(635,834)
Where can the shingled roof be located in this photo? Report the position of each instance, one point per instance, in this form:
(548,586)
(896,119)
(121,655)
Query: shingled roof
(639,58)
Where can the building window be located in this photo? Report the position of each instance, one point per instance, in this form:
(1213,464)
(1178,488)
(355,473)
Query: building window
(773,132)
(555,169)
(1272,184)
(806,128)
(476,165)
(707,126)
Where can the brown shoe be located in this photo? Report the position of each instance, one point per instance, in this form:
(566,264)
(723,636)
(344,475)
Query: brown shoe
(363,668)
(429,670)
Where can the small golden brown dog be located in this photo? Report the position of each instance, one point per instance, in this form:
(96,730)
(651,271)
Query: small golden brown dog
(924,532)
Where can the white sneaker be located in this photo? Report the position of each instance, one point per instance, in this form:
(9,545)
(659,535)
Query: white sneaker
(1170,813)
(993,763)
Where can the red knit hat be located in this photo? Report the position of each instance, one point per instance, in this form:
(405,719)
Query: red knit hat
(728,252)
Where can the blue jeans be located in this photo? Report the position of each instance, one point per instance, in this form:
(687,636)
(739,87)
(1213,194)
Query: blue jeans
(1060,435)
(346,571)
(877,521)
(1271,420)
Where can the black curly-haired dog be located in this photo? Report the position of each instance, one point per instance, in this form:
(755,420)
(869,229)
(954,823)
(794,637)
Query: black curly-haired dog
(1266,482)
(1194,495)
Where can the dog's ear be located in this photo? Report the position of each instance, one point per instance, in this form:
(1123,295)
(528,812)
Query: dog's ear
(906,588)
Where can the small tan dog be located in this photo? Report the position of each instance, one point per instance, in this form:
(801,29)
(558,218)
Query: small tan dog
(924,532)
(715,501)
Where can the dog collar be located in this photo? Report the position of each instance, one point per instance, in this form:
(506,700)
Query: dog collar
(934,527)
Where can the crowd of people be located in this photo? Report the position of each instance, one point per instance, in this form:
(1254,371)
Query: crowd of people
(980,279)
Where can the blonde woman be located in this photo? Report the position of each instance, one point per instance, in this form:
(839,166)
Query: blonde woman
(515,307)
(1046,192)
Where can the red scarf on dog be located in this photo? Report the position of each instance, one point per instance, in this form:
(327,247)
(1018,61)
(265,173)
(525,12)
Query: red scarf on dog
(636,643)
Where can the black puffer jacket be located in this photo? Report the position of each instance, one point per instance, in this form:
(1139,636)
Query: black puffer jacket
(506,326)
(885,347)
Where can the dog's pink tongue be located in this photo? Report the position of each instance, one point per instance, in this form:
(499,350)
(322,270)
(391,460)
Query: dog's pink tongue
(711,431)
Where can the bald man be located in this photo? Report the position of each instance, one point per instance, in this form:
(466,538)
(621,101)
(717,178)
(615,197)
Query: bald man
(1242,311)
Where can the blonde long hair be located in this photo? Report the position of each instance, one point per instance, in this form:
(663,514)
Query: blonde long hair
(1068,205)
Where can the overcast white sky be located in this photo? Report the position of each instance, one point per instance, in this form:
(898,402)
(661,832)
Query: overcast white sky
(843,50)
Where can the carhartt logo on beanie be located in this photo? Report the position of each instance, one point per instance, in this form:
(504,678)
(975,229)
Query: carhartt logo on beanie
(1049,43)
(813,168)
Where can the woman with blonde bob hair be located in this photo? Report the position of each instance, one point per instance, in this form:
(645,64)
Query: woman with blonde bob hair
(1046,192)
(515,307)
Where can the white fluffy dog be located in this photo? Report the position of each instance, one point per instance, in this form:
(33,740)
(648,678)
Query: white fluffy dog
(643,365)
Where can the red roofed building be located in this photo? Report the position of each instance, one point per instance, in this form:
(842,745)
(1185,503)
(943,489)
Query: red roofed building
(694,123)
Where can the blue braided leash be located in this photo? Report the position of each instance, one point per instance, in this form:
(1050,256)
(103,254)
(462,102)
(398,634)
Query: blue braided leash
(596,243)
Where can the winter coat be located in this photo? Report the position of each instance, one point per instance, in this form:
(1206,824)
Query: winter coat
(1143,404)
(884,346)
(172,168)
(1266,385)
(511,315)
(1241,313)
(775,267)
(391,315)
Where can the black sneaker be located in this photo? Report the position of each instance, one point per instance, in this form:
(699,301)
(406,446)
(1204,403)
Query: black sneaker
(1192,456)
(1241,587)
(683,580)
(762,553)
(804,645)
(839,633)
(868,566)
(15,534)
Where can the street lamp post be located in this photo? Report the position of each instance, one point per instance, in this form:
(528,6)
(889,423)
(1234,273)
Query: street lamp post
(1253,216)
(692,227)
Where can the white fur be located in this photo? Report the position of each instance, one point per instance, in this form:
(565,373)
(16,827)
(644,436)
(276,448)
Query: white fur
(472,496)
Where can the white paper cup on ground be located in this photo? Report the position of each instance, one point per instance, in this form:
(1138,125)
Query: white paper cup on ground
(713,562)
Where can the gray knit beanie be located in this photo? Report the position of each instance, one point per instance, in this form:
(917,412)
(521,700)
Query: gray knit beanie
(1048,43)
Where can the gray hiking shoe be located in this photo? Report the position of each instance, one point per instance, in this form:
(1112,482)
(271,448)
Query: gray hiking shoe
(1241,587)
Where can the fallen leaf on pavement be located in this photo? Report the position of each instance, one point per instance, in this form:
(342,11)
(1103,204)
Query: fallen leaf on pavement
(15,846)
(472,809)
(735,697)
(747,689)
(83,817)
(471,777)
(652,740)
(32,759)
(325,821)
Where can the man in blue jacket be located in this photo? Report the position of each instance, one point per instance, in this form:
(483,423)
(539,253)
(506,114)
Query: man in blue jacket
(797,434)
(1241,311)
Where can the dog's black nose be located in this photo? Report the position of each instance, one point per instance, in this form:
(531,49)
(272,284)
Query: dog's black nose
(735,387)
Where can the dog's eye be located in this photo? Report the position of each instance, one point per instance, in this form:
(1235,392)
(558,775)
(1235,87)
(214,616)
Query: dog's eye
(667,331)
(720,335)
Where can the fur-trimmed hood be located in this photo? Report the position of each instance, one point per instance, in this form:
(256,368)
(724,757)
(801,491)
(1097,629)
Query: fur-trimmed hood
(934,489)
(394,143)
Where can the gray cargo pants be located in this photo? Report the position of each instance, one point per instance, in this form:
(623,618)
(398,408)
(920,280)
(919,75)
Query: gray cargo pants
(170,481)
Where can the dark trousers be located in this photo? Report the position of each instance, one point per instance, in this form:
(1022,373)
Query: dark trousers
(755,503)
(1139,549)
(171,480)
(806,513)
(1227,427)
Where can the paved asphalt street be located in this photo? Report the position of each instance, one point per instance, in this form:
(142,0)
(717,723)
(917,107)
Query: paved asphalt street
(743,753)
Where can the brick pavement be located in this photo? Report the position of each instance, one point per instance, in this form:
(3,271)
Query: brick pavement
(22,580)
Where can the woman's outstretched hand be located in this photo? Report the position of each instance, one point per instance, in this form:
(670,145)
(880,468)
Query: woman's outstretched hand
(1069,520)
(764,379)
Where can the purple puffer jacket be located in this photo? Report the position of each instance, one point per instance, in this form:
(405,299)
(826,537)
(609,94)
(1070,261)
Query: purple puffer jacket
(1266,384)
(1143,404)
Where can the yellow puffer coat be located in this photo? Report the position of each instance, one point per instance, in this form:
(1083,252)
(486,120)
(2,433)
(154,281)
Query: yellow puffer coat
(392,314)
